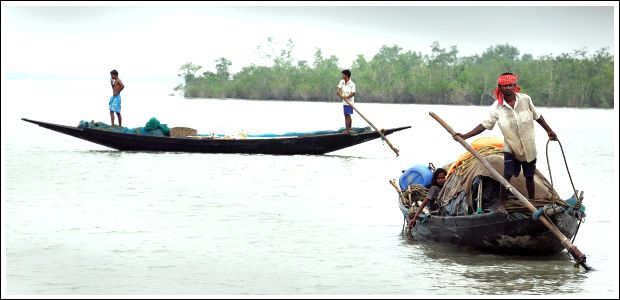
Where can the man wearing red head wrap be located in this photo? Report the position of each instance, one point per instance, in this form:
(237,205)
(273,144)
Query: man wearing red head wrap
(506,79)
(515,113)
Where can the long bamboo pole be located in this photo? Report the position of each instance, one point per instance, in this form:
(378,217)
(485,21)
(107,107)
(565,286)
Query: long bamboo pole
(373,126)
(580,258)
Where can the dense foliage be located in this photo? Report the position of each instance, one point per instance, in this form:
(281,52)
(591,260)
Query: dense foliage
(575,79)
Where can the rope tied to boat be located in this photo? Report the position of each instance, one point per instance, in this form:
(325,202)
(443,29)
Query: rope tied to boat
(578,198)
(415,193)
(578,204)
(580,260)
(541,211)
(469,162)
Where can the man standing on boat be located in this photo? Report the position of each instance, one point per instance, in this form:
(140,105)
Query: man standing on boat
(515,113)
(115,100)
(346,90)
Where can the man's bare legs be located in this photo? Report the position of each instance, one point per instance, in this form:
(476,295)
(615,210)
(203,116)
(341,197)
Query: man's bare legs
(502,195)
(347,123)
(120,120)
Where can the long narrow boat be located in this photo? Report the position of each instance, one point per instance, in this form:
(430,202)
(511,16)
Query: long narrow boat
(285,145)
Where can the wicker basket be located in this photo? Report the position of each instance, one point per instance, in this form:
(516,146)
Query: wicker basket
(182,131)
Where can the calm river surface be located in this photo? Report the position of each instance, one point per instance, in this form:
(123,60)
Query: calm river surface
(82,219)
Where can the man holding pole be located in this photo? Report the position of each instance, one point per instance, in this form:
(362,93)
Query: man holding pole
(515,113)
(346,90)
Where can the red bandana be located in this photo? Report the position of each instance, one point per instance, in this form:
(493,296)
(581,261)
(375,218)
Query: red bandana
(504,80)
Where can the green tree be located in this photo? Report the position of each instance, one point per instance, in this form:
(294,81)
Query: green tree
(222,65)
(575,79)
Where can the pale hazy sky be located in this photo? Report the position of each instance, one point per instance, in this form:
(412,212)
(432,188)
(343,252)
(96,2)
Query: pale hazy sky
(152,42)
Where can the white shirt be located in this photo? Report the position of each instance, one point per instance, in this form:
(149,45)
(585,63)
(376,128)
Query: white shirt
(517,126)
(347,89)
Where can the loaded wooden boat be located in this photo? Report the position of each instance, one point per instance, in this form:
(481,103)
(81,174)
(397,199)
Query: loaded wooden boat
(310,143)
(464,214)
(495,232)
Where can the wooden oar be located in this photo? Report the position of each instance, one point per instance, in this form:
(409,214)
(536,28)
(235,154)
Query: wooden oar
(400,193)
(579,257)
(373,126)
(402,199)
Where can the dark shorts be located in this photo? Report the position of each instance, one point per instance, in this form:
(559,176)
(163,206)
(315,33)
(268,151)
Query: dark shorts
(512,167)
(348,110)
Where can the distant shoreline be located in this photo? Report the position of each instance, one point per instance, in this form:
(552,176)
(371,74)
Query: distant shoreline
(371,102)
(577,79)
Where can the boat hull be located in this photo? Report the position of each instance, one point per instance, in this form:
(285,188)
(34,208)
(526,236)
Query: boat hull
(315,144)
(496,232)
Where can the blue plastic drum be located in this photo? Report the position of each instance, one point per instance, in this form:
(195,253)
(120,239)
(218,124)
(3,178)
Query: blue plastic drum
(418,174)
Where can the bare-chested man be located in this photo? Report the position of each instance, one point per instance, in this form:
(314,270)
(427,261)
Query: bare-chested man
(115,100)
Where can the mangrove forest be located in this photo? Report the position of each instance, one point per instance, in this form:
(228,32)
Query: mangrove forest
(577,79)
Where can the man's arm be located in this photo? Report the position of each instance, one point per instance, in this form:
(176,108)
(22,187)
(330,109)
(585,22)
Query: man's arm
(476,131)
(352,94)
(120,87)
(349,97)
(550,133)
